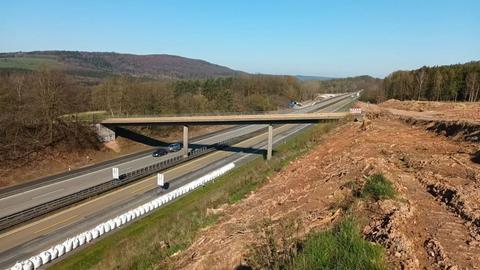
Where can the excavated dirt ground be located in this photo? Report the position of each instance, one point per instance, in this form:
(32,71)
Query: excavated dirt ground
(434,223)
(451,110)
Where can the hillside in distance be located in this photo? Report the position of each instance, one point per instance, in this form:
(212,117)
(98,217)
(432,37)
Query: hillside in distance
(313,78)
(102,64)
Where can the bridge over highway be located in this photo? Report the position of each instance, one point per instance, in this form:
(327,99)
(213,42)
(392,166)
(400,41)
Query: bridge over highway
(44,212)
(247,119)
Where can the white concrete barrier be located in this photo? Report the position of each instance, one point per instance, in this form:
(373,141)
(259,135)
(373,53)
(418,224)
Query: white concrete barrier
(17,266)
(75,242)
(101,229)
(37,261)
(68,245)
(27,265)
(88,236)
(118,222)
(112,224)
(45,256)
(53,253)
(82,239)
(60,249)
(106,227)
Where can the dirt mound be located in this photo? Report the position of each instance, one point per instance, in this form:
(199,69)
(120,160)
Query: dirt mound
(446,124)
(447,110)
(460,130)
(431,225)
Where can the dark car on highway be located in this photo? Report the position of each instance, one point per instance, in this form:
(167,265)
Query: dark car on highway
(159,152)
(174,147)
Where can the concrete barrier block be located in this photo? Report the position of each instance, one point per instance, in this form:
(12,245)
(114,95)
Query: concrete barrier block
(45,256)
(68,245)
(17,266)
(60,249)
(53,253)
(37,261)
(27,265)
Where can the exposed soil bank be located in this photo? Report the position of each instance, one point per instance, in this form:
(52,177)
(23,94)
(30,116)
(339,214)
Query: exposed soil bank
(433,224)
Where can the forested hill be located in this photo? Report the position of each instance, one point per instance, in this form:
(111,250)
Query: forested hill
(102,64)
(459,82)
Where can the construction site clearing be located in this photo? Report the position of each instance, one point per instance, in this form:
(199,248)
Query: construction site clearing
(430,151)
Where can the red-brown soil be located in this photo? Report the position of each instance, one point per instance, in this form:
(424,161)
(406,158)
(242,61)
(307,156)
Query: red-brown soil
(434,223)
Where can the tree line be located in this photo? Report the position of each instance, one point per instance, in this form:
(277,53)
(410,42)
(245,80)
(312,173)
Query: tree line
(127,95)
(37,107)
(31,104)
(459,82)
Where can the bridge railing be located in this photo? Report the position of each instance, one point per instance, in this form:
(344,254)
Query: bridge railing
(97,117)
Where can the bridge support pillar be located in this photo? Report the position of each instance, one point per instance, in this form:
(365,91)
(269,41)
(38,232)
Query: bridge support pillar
(185,141)
(270,142)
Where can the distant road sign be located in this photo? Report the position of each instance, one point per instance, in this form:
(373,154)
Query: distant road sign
(356,111)
(160,179)
(115,173)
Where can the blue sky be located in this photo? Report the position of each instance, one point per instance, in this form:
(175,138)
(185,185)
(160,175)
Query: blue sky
(325,38)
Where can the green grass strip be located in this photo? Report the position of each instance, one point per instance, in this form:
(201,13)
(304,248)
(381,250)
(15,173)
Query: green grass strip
(378,187)
(341,247)
(147,243)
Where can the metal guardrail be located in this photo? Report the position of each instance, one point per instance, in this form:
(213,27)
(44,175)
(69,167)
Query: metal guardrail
(36,211)
(39,210)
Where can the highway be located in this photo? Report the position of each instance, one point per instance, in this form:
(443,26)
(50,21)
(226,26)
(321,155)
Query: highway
(23,241)
(41,194)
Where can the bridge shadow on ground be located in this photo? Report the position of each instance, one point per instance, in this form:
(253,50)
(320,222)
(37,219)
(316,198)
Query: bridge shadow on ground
(243,267)
(476,157)
(235,149)
(136,137)
(140,138)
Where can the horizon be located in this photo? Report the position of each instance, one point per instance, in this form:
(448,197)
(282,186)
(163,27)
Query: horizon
(334,40)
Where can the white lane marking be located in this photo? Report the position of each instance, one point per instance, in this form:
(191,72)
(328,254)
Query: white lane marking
(139,159)
(245,155)
(45,194)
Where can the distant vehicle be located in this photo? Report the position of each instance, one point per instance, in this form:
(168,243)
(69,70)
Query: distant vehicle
(174,147)
(294,104)
(159,152)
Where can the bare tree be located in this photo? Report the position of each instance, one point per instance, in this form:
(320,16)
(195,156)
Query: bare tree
(420,76)
(472,86)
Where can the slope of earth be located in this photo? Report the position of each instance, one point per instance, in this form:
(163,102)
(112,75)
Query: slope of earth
(59,159)
(447,110)
(101,64)
(433,224)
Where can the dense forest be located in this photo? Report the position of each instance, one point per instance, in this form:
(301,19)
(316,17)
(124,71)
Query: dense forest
(126,95)
(459,82)
(37,107)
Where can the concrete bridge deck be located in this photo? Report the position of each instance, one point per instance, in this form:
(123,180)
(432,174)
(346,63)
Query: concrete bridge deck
(299,118)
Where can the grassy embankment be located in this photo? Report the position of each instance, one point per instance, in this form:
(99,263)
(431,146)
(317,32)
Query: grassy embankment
(343,246)
(340,247)
(151,240)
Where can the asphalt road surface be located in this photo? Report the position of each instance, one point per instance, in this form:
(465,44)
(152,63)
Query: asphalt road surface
(25,240)
(28,198)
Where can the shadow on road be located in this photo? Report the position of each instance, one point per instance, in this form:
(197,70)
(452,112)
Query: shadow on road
(476,157)
(136,137)
(236,149)
(242,267)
